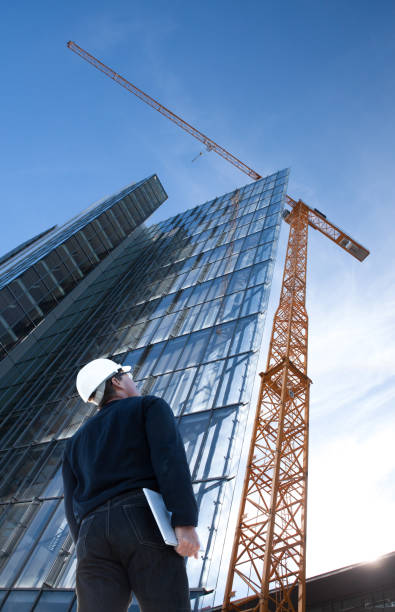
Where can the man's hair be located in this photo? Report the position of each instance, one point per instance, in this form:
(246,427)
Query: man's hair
(109,392)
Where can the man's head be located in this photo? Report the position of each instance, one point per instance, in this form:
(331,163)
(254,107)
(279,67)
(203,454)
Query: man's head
(103,380)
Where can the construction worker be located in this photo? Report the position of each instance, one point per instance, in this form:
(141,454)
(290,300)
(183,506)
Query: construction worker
(131,443)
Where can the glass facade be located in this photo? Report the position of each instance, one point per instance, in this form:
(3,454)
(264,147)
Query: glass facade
(183,302)
(35,277)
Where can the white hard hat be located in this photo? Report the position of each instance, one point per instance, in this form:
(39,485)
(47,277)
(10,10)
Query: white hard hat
(94,374)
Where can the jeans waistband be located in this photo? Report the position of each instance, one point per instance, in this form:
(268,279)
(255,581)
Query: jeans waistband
(118,499)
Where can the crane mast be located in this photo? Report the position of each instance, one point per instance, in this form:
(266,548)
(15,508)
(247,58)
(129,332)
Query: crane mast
(269,547)
(269,551)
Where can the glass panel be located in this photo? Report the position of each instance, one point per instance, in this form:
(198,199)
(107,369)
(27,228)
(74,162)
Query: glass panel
(67,580)
(194,349)
(164,327)
(192,430)
(187,319)
(55,600)
(246,258)
(239,280)
(205,387)
(132,358)
(180,299)
(207,314)
(271,220)
(234,381)
(230,307)
(148,331)
(252,240)
(20,601)
(258,274)
(178,389)
(218,444)
(244,337)
(255,300)
(199,294)
(263,252)
(150,356)
(39,478)
(55,486)
(170,356)
(11,518)
(257,225)
(27,543)
(163,305)
(46,551)
(268,235)
(219,342)
(213,506)
(159,385)
(218,287)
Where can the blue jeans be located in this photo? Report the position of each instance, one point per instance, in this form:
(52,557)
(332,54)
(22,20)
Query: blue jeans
(120,551)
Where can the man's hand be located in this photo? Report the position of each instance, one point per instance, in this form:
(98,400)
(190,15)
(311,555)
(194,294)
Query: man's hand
(188,542)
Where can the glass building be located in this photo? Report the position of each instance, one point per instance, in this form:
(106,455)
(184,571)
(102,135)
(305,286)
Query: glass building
(183,302)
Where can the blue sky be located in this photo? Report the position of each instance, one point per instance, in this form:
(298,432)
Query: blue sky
(308,85)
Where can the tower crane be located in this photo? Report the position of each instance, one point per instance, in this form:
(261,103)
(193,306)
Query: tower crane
(269,547)
(269,550)
(208,143)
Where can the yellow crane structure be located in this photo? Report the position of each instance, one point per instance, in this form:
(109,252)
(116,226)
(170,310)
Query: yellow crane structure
(269,551)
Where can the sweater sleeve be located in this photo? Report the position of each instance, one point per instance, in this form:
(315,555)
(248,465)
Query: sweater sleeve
(69,484)
(170,463)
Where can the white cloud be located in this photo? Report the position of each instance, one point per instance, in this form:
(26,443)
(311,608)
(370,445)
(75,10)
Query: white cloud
(352,463)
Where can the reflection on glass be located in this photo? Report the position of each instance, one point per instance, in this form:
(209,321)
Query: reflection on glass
(45,552)
(20,601)
(218,345)
(27,543)
(55,486)
(67,578)
(178,389)
(170,356)
(147,361)
(204,387)
(230,307)
(213,506)
(218,444)
(254,301)
(54,601)
(233,384)
(244,337)
(197,373)
(194,349)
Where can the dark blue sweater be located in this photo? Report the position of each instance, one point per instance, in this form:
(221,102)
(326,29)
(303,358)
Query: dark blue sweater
(130,443)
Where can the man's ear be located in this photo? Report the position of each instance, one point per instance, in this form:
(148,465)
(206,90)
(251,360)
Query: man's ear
(115,382)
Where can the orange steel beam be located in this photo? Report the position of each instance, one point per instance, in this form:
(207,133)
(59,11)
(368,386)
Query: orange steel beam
(318,221)
(269,551)
(209,144)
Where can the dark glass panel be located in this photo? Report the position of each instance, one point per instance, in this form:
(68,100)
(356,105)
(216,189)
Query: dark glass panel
(56,601)
(194,349)
(20,601)
(26,544)
(45,552)
(170,357)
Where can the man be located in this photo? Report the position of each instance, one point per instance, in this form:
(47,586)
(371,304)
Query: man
(130,443)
